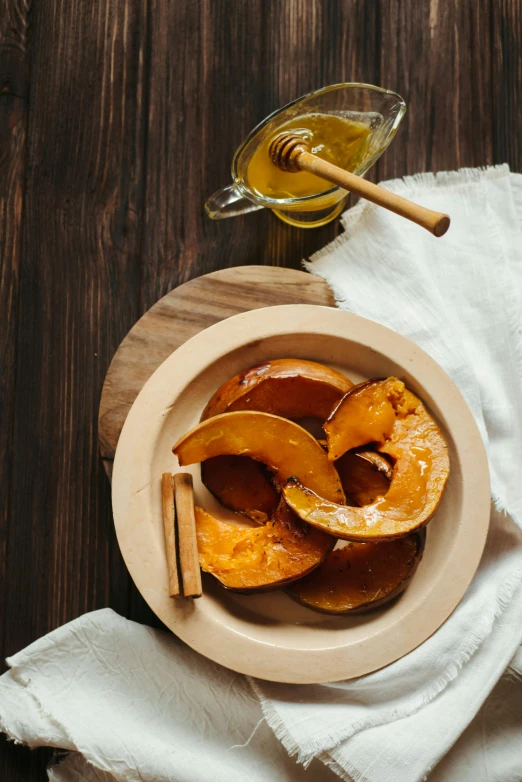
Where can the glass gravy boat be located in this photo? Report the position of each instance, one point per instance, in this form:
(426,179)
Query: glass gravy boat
(382,110)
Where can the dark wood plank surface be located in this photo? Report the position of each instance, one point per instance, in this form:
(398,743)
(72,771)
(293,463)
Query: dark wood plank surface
(117,120)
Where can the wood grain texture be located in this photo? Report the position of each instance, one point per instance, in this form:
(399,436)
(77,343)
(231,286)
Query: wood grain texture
(15,23)
(78,296)
(180,315)
(437,55)
(129,113)
(239,61)
(14,73)
(506,76)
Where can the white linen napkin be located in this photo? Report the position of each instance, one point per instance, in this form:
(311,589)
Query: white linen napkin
(131,703)
(135,704)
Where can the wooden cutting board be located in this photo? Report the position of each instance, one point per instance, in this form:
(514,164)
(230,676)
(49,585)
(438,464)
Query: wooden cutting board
(181,314)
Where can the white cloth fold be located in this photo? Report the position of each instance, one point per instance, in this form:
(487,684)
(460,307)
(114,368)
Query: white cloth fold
(131,703)
(135,704)
(139,705)
(450,676)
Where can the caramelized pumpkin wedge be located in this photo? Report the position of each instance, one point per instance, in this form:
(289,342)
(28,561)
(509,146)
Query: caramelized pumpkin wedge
(364,475)
(246,559)
(364,415)
(290,387)
(420,472)
(361,576)
(284,446)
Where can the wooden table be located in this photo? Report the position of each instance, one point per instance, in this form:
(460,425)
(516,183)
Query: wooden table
(117,119)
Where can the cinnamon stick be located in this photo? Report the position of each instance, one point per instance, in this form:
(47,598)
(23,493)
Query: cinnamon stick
(187,539)
(169,527)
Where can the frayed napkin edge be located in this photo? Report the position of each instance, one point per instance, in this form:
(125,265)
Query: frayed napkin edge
(307,751)
(449,180)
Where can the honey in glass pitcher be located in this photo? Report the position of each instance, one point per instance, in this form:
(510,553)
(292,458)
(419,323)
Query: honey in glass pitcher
(349,125)
(334,138)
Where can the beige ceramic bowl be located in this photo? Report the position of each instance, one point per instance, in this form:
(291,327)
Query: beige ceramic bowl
(269,635)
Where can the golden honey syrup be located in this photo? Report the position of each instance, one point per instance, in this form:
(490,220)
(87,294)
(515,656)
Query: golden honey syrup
(338,140)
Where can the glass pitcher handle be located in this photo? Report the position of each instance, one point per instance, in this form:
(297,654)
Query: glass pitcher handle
(229,202)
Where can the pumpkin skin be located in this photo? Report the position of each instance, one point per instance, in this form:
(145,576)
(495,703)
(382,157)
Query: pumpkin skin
(289,387)
(257,559)
(240,483)
(361,576)
(364,415)
(420,472)
(284,446)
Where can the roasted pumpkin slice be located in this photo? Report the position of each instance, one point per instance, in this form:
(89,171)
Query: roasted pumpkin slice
(364,475)
(240,483)
(361,576)
(290,387)
(246,559)
(364,415)
(420,472)
(284,446)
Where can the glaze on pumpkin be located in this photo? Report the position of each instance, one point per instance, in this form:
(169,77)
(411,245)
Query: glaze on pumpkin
(249,559)
(289,387)
(364,415)
(284,446)
(414,443)
(361,576)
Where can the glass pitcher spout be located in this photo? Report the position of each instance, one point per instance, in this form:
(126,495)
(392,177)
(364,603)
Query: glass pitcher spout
(229,202)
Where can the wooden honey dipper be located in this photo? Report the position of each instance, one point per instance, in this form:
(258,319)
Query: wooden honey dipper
(292,153)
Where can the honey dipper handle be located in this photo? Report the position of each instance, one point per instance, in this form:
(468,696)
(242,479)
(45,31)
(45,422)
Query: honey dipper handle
(435,222)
